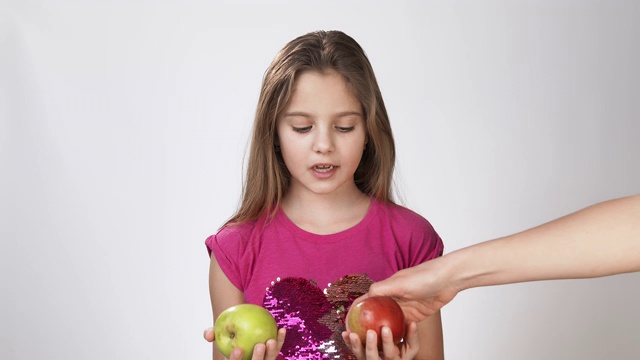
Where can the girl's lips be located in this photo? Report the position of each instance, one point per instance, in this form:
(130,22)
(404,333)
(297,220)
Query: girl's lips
(323,171)
(323,167)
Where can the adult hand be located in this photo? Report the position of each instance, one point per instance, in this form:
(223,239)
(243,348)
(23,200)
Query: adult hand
(569,247)
(421,290)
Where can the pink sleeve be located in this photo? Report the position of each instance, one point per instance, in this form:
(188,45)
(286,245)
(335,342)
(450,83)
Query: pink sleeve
(422,241)
(226,246)
(427,246)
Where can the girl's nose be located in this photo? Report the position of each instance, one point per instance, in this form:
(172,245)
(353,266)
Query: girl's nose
(323,141)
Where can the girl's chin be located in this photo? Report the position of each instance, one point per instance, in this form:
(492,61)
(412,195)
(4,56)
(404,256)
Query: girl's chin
(328,189)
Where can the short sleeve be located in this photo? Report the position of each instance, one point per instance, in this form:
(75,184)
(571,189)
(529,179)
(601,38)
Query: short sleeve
(416,238)
(227,247)
(426,245)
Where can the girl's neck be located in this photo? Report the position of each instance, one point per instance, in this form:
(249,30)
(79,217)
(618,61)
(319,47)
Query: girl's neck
(326,213)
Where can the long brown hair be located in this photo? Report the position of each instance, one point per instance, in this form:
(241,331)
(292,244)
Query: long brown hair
(267,178)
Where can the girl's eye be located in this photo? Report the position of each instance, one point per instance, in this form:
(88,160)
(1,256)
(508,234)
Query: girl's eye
(345,129)
(302,129)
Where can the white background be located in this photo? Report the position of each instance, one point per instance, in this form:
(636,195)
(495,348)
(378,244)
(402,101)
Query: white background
(124,126)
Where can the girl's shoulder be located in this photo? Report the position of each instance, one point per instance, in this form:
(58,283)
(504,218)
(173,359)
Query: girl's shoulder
(402,216)
(415,238)
(235,235)
(236,229)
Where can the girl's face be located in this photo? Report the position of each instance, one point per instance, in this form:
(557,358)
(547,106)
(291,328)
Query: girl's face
(322,134)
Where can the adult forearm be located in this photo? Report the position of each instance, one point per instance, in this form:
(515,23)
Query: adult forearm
(600,240)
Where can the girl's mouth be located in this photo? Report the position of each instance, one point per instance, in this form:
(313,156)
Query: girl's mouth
(323,168)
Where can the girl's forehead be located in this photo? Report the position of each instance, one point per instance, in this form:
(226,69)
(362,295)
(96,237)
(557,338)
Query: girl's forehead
(318,88)
(314,76)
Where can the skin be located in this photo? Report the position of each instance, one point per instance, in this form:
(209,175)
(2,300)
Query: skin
(224,295)
(321,135)
(565,248)
(569,247)
(408,350)
(322,124)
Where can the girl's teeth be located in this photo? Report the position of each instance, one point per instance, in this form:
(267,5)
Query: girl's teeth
(324,168)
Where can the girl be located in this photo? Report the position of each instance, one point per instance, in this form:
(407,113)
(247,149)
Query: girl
(317,223)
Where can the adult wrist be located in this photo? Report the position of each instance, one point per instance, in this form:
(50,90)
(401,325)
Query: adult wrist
(464,269)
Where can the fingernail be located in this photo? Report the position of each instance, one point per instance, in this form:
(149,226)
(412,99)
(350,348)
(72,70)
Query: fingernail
(370,335)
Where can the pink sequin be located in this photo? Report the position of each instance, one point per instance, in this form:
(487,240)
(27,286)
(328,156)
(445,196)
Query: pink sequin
(314,321)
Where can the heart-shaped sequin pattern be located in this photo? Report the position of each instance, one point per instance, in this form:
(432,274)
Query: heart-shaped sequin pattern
(314,317)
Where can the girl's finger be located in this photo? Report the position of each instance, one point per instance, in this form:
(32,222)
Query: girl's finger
(282,333)
(236,354)
(355,344)
(389,348)
(411,341)
(208,334)
(273,346)
(371,346)
(258,351)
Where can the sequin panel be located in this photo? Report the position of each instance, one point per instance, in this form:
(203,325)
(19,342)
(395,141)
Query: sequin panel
(314,318)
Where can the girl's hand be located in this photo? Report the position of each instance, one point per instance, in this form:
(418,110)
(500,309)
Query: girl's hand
(268,351)
(407,349)
(208,334)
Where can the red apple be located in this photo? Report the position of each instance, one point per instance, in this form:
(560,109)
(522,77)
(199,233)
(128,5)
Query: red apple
(374,313)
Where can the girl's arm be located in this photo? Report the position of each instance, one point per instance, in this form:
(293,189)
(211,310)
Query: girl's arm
(430,335)
(224,295)
(601,240)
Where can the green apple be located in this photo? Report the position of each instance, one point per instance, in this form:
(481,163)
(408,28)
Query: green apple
(243,326)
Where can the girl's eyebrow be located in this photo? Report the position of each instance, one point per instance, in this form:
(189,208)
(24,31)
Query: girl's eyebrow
(349,113)
(304,114)
(296,113)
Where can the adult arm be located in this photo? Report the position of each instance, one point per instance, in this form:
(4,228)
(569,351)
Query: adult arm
(600,240)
